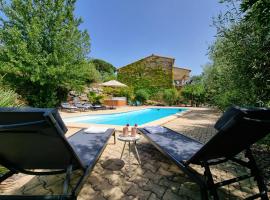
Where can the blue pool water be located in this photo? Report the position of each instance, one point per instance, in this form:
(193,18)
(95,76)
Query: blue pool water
(133,117)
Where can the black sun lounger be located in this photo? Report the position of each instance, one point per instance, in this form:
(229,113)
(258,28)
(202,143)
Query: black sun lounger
(238,129)
(68,107)
(33,139)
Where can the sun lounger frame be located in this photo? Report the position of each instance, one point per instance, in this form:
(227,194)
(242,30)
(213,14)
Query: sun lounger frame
(206,182)
(68,171)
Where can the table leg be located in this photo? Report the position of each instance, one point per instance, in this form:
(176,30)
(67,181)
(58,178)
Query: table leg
(123,150)
(136,150)
(129,156)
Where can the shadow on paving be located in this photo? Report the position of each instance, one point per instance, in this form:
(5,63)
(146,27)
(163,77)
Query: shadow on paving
(262,156)
(201,114)
(157,178)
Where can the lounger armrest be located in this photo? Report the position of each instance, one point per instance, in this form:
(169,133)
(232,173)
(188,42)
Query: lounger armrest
(54,122)
(13,126)
(257,120)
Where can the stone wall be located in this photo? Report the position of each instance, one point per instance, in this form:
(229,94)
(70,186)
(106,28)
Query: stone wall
(180,76)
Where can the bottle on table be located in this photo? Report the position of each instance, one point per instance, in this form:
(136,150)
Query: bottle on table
(125,130)
(134,130)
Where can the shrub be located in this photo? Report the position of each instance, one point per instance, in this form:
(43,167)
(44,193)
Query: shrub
(170,96)
(95,98)
(120,92)
(141,95)
(127,92)
(150,103)
(158,96)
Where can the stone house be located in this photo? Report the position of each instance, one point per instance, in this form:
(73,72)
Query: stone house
(180,76)
(153,72)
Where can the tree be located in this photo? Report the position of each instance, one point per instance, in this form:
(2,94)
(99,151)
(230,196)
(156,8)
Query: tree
(92,74)
(195,91)
(106,69)
(42,52)
(240,69)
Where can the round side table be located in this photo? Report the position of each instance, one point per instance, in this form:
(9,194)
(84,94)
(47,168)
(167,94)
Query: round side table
(130,140)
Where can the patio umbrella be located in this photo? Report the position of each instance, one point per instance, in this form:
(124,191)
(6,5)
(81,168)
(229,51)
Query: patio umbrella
(113,83)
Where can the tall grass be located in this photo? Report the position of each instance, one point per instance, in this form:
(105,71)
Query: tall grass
(3,170)
(8,98)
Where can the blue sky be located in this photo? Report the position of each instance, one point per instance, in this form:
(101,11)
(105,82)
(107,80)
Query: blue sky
(123,31)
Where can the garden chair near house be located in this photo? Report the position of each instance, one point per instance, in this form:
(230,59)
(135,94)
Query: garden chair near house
(68,107)
(99,107)
(82,107)
(238,129)
(90,106)
(32,141)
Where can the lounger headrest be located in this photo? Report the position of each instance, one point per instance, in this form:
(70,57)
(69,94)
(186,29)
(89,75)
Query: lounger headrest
(231,115)
(235,113)
(238,128)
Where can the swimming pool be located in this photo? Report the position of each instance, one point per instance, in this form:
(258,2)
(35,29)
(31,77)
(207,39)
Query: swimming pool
(133,117)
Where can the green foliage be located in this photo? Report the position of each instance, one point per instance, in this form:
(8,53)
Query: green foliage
(103,66)
(91,74)
(170,96)
(194,92)
(240,69)
(127,92)
(141,95)
(158,96)
(108,77)
(106,69)
(95,98)
(42,50)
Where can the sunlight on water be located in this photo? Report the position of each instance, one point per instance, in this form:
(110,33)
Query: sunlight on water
(134,117)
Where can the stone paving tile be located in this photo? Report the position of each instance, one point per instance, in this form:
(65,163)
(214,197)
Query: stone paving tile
(174,186)
(141,181)
(189,190)
(158,190)
(169,195)
(137,192)
(156,178)
(153,196)
(150,167)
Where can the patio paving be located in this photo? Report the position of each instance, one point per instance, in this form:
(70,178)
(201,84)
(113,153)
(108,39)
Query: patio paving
(157,178)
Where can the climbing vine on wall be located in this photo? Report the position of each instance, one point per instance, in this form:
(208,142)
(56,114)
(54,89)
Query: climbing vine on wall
(145,75)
